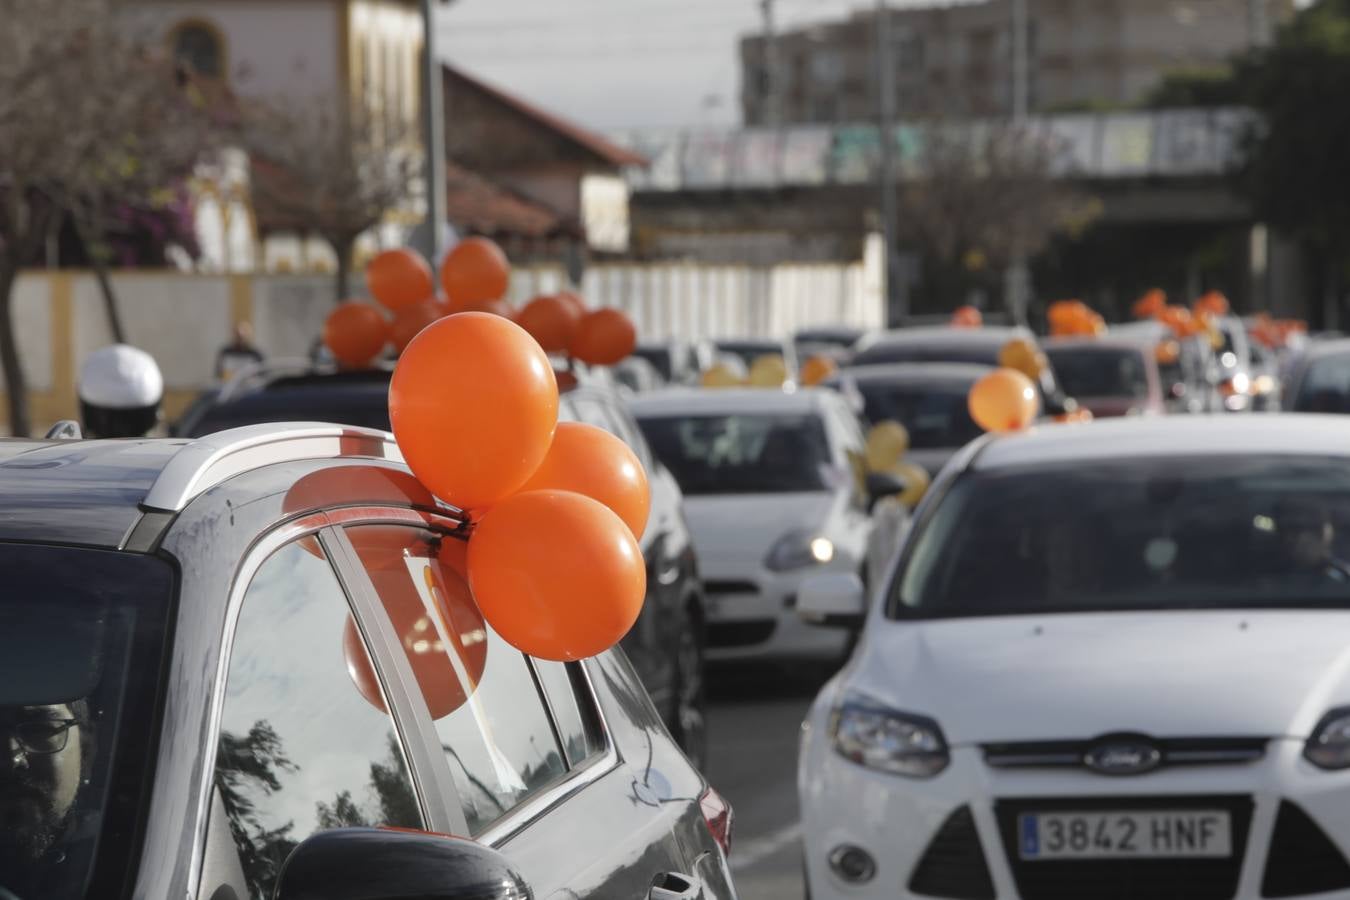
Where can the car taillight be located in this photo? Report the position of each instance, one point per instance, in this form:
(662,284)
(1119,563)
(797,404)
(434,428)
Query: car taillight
(719,817)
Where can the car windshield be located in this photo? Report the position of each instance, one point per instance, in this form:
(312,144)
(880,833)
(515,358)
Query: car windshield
(929,351)
(1325,386)
(81,639)
(660,358)
(1100,371)
(749,351)
(1154,533)
(935,415)
(742,453)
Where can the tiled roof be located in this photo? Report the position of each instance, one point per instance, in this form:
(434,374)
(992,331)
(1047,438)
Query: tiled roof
(476,205)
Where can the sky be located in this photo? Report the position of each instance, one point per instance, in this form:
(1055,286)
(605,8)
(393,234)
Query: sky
(617,64)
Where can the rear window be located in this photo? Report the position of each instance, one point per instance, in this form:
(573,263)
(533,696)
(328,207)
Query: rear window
(82,637)
(1265,532)
(1100,371)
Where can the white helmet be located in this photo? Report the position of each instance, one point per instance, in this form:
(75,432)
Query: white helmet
(120,391)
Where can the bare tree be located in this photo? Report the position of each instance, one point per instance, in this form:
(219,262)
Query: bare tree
(330,168)
(988,192)
(86,116)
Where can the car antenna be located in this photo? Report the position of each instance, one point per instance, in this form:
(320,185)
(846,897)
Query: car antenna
(65,430)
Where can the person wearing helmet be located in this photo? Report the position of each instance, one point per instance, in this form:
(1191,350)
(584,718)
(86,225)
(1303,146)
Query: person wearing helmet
(120,392)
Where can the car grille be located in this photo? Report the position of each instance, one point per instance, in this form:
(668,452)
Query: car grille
(1206,751)
(730,587)
(740,634)
(1302,859)
(1135,879)
(953,866)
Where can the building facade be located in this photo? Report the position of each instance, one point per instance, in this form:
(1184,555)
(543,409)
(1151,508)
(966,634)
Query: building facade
(956,59)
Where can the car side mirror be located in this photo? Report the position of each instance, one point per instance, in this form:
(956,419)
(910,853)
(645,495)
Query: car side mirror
(881,485)
(377,863)
(834,600)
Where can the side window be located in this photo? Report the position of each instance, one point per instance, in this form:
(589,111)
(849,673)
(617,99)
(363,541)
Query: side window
(573,711)
(301,748)
(482,694)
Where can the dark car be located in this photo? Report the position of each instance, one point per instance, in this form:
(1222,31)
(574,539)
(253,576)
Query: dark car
(666,645)
(929,399)
(225,662)
(1109,377)
(1320,379)
(980,346)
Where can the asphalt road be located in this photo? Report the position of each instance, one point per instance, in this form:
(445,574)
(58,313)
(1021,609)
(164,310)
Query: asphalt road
(755,717)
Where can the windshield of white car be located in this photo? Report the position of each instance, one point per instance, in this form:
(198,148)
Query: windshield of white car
(936,416)
(1100,371)
(1150,533)
(742,453)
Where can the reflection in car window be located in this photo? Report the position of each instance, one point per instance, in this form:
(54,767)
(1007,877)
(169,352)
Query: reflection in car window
(1326,386)
(480,691)
(302,749)
(1100,371)
(742,454)
(1218,533)
(935,415)
(81,637)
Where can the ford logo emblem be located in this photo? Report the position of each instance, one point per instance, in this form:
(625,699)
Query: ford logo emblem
(1123,756)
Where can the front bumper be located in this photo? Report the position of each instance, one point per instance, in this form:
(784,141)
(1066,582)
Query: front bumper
(902,823)
(753,615)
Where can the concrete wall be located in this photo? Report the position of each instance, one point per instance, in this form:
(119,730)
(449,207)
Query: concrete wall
(183,320)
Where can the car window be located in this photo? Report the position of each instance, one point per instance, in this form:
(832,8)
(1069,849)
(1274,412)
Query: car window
(302,749)
(480,691)
(745,453)
(936,415)
(1100,371)
(573,709)
(1252,532)
(1325,386)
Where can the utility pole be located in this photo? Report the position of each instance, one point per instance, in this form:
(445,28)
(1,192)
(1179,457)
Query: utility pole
(771,88)
(1017,279)
(897,305)
(433,135)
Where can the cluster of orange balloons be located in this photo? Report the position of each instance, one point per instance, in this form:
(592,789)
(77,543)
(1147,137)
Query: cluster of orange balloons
(562,324)
(1150,304)
(1276,333)
(1074,318)
(1004,400)
(553,559)
(967,317)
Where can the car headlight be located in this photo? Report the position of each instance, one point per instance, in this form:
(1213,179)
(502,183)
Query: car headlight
(889,741)
(799,549)
(1329,746)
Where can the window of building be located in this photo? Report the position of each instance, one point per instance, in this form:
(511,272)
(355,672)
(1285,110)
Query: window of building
(200,48)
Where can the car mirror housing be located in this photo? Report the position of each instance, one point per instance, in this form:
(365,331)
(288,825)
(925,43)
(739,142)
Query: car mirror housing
(379,863)
(834,599)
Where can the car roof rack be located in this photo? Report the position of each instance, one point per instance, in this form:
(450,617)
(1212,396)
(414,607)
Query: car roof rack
(65,430)
(206,462)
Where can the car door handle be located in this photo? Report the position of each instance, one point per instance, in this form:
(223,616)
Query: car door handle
(674,886)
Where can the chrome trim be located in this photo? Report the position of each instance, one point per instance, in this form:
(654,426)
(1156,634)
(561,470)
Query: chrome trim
(258,554)
(437,797)
(206,462)
(592,770)
(368,514)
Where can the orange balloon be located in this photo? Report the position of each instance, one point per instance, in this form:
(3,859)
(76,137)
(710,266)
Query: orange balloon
(356,333)
(473,404)
(474,272)
(604,337)
(817,369)
(1212,302)
(411,320)
(1150,304)
(1003,400)
(556,574)
(550,321)
(429,636)
(574,301)
(399,279)
(1168,352)
(967,317)
(593,462)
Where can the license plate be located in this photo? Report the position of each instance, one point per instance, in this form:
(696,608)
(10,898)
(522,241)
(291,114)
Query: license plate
(1153,834)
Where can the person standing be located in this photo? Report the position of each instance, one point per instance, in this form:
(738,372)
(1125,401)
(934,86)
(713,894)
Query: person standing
(239,354)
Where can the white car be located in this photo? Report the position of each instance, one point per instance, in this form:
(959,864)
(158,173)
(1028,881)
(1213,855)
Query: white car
(1112,660)
(775,490)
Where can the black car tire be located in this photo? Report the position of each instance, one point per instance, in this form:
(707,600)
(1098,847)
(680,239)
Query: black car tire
(689,714)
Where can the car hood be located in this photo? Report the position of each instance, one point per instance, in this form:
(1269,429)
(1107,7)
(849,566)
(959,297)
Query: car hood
(1168,674)
(733,532)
